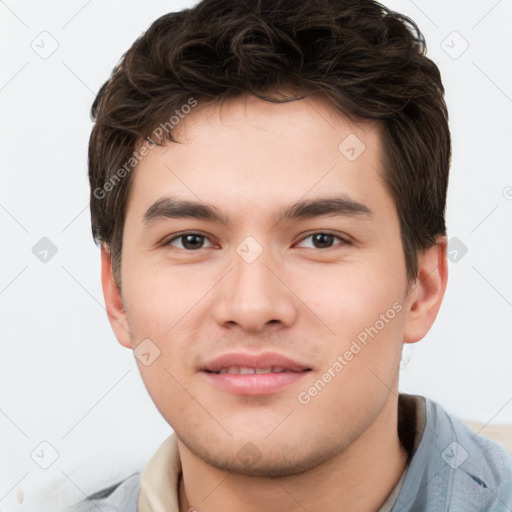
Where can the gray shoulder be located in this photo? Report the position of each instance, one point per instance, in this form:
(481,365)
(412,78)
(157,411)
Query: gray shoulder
(120,497)
(482,469)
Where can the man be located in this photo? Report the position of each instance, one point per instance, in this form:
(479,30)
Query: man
(268,186)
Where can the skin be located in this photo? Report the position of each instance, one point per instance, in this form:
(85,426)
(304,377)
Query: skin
(249,158)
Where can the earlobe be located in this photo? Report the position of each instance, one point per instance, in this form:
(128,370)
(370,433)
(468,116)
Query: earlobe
(426,296)
(113,300)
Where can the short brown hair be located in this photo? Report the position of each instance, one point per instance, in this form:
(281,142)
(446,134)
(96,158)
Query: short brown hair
(367,60)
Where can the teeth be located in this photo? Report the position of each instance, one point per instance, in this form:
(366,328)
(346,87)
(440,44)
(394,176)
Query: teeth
(263,370)
(240,370)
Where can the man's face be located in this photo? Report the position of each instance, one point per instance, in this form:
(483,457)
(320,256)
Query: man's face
(326,291)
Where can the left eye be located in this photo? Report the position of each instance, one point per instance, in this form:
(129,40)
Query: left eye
(322,240)
(189,241)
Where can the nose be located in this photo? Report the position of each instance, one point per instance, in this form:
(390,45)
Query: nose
(254,296)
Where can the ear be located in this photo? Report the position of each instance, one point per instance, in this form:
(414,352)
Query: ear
(113,300)
(425,296)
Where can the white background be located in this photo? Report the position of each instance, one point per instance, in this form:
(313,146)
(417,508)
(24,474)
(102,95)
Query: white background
(65,380)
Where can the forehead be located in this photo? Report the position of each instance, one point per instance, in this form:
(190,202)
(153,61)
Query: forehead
(248,155)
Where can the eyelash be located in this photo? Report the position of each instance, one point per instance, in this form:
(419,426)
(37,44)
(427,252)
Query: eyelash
(183,235)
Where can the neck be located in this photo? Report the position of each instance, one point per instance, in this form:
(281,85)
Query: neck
(359,479)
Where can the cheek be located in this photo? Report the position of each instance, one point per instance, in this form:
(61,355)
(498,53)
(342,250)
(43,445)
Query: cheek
(168,389)
(358,312)
(351,296)
(159,299)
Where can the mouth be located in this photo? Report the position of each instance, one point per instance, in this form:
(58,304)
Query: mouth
(236,370)
(246,363)
(254,374)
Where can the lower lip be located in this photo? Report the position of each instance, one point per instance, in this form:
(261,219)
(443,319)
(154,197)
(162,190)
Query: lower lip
(254,384)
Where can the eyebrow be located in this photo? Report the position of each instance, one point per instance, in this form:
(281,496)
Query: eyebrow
(333,206)
(172,208)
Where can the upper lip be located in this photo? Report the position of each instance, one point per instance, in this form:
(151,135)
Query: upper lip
(245,360)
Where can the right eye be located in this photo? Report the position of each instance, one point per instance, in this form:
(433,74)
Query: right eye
(188,241)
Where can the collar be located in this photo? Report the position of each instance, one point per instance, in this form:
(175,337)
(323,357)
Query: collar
(160,479)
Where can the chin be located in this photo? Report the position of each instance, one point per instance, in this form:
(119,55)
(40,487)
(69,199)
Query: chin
(262,458)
